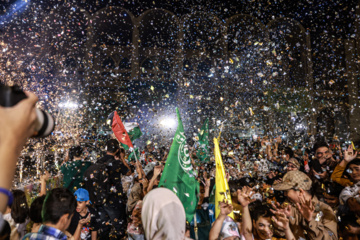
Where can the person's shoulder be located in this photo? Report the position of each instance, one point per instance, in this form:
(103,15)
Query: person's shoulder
(84,163)
(37,236)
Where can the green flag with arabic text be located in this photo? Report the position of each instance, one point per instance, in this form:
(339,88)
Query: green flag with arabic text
(203,153)
(178,172)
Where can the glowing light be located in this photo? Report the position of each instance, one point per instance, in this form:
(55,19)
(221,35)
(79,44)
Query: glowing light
(168,122)
(69,105)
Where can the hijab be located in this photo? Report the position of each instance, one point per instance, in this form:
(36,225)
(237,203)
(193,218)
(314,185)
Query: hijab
(163,215)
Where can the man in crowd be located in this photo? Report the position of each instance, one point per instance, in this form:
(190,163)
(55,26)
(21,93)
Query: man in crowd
(74,169)
(103,181)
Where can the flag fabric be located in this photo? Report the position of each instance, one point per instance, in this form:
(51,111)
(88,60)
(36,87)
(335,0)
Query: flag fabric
(203,149)
(133,130)
(132,156)
(120,132)
(222,190)
(178,172)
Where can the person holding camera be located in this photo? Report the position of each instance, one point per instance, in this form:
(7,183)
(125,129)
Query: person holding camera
(17,124)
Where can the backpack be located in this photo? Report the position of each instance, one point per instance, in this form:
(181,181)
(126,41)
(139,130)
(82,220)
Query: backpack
(97,182)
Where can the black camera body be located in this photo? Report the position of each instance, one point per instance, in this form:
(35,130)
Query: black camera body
(10,96)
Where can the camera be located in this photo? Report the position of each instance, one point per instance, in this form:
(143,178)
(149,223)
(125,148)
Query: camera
(10,96)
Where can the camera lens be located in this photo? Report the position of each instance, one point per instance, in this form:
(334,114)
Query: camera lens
(44,124)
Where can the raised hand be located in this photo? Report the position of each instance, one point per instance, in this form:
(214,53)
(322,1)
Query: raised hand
(321,175)
(349,154)
(285,209)
(157,170)
(83,221)
(45,177)
(244,196)
(305,207)
(281,221)
(225,208)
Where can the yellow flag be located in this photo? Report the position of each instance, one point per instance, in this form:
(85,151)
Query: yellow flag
(222,190)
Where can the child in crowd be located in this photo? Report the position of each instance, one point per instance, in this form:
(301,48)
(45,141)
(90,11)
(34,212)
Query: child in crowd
(35,213)
(84,222)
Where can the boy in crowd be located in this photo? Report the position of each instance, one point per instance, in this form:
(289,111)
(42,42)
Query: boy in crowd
(58,209)
(86,216)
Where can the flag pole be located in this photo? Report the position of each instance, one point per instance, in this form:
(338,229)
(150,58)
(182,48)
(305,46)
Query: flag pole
(195,227)
(135,155)
(221,128)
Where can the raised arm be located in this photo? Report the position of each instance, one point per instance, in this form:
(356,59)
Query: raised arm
(17,124)
(244,196)
(225,209)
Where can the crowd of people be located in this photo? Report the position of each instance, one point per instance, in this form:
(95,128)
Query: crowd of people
(277,191)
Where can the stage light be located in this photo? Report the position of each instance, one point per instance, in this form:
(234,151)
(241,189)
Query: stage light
(69,105)
(168,122)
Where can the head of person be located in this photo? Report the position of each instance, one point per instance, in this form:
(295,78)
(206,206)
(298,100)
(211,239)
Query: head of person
(82,199)
(163,215)
(5,231)
(58,208)
(292,182)
(149,147)
(270,174)
(19,207)
(112,146)
(353,170)
(331,193)
(35,209)
(306,154)
(120,154)
(293,165)
(287,153)
(76,151)
(261,218)
(322,151)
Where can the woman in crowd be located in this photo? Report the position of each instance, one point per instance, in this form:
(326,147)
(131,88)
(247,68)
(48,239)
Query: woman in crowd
(18,214)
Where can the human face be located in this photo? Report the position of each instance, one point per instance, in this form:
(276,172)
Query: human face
(291,167)
(332,201)
(355,172)
(263,228)
(293,195)
(201,197)
(271,175)
(322,153)
(81,207)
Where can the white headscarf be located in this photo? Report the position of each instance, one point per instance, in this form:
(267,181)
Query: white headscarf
(163,216)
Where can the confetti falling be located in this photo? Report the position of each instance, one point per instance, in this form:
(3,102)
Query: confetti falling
(268,62)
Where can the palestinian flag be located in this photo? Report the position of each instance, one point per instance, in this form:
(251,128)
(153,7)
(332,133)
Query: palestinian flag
(125,133)
(133,130)
(120,132)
